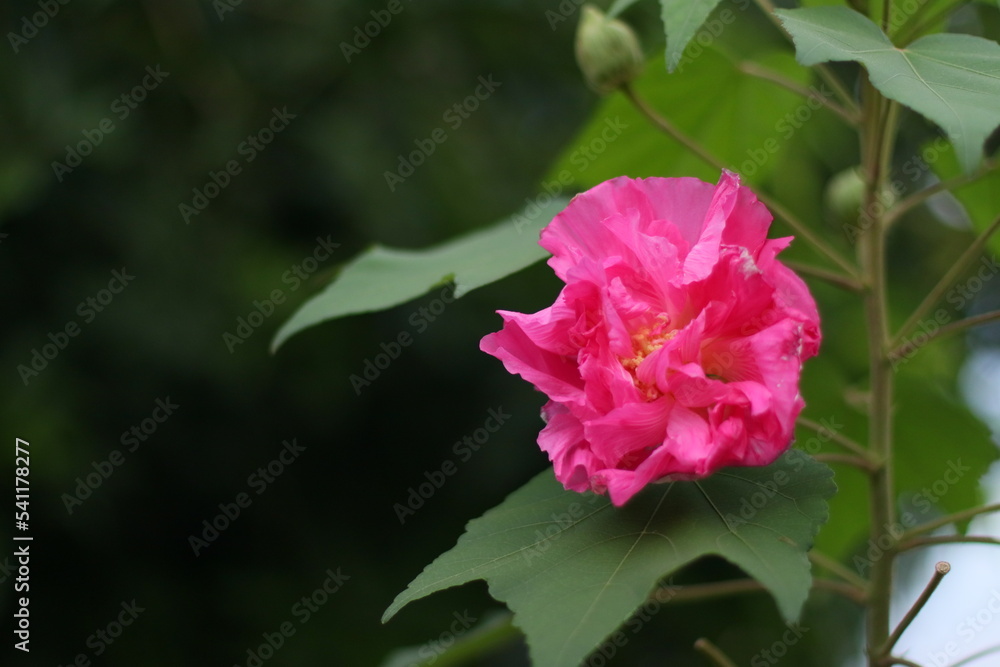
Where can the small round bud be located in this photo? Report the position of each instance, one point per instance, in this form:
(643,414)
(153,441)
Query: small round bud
(607,51)
(844,195)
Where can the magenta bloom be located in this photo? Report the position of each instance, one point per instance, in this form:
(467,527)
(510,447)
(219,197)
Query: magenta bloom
(675,347)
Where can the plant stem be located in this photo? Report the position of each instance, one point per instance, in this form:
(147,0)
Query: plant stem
(775,207)
(947,281)
(912,29)
(664,124)
(825,72)
(477,644)
(862,464)
(877,138)
(945,539)
(831,277)
(893,660)
(945,520)
(719,589)
(837,568)
(714,653)
(836,437)
(941,569)
(919,197)
(907,348)
(976,656)
(751,68)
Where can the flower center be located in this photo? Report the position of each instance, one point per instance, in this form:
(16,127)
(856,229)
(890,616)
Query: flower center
(645,341)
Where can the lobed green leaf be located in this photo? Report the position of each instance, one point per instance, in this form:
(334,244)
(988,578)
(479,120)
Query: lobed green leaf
(572,567)
(954,80)
(383,277)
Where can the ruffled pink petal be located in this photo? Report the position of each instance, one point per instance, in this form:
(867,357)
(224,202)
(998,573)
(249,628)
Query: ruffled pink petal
(562,439)
(676,346)
(629,429)
(555,375)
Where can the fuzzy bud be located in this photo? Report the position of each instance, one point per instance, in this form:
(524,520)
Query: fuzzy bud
(607,51)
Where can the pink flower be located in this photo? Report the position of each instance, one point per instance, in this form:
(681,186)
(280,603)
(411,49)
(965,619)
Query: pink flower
(675,347)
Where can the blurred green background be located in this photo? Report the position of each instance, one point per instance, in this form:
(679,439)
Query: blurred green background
(226,69)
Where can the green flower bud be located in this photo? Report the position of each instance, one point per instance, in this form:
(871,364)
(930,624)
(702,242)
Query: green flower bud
(607,51)
(844,195)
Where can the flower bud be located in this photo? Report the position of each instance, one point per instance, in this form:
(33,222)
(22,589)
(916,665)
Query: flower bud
(844,195)
(607,51)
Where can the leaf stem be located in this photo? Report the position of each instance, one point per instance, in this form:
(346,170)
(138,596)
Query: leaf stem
(934,540)
(751,68)
(476,644)
(823,70)
(919,197)
(912,29)
(940,570)
(719,589)
(895,660)
(664,124)
(886,15)
(835,436)
(713,653)
(945,520)
(976,656)
(908,347)
(947,281)
(863,464)
(837,568)
(832,277)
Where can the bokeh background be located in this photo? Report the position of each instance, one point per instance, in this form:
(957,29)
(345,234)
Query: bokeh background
(227,67)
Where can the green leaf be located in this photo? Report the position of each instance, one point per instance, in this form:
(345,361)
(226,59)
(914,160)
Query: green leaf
(745,123)
(572,567)
(681,19)
(951,79)
(494,630)
(384,277)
